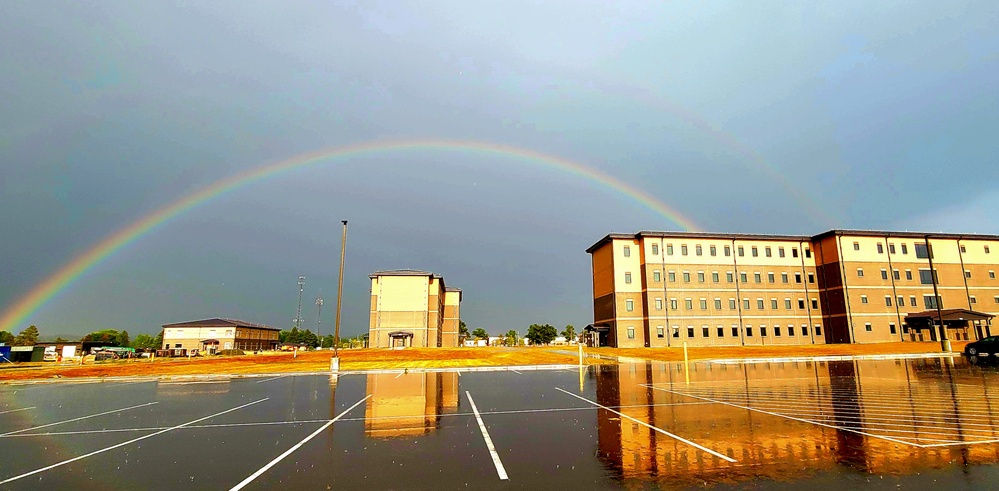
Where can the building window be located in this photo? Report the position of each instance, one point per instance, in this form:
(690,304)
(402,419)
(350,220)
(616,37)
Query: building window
(967,274)
(771,278)
(759,304)
(895,274)
(756,251)
(688,303)
(860,272)
(659,304)
(773,303)
(728,251)
(700,276)
(729,277)
(713,250)
(867,327)
(996,299)
(986,249)
(763,331)
(863,299)
(749,331)
(767,252)
(900,301)
(815,303)
(992,275)
(686,277)
(783,278)
(887,300)
(881,248)
(905,249)
(742,251)
(672,304)
(718,304)
(744,277)
(683,249)
(932,302)
(704,304)
(891,248)
(926,277)
(963,250)
(801,303)
(797,278)
(922,251)
(676,331)
(818,329)
(912,300)
(972,299)
(884,274)
(745,304)
(787,303)
(698,250)
(908,275)
(811,277)
(757,278)
(777,331)
(891,328)
(631,333)
(721,331)
(794,252)
(808,252)
(731,303)
(629,305)
(804,330)
(660,332)
(657,276)
(856,246)
(714,276)
(690,331)
(627,278)
(669,249)
(671,276)
(627,251)
(780,252)
(735,331)
(655,249)
(704,331)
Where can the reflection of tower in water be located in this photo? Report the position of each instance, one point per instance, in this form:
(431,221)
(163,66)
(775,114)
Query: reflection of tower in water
(408,404)
(851,447)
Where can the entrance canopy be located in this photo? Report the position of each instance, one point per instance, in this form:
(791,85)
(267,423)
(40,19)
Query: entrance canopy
(210,341)
(948,315)
(400,334)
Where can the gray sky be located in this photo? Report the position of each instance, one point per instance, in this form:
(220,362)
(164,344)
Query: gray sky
(744,117)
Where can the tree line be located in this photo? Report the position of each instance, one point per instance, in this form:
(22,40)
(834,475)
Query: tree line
(536,333)
(108,337)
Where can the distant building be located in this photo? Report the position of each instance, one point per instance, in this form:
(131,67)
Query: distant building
(211,335)
(657,289)
(413,308)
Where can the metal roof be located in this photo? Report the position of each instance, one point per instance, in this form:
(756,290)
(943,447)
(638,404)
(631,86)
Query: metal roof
(220,322)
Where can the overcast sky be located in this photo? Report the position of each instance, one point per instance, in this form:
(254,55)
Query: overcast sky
(742,116)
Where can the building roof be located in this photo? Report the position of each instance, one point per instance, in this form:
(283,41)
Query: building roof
(220,322)
(792,238)
(403,272)
(950,315)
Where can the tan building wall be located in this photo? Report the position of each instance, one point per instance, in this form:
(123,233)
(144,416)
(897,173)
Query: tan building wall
(413,302)
(659,289)
(229,336)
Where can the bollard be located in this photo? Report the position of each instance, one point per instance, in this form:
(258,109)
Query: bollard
(945,346)
(581,378)
(335,364)
(686,363)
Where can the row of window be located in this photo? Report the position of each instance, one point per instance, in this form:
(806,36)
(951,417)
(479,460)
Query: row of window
(629,304)
(928,301)
(925,277)
(922,251)
(768,251)
(720,331)
(729,277)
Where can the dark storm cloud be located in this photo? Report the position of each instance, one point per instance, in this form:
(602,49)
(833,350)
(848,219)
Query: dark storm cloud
(112,110)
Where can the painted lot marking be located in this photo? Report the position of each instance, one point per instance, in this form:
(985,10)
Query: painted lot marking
(298,445)
(518,373)
(78,419)
(16,410)
(269,379)
(660,430)
(500,470)
(122,444)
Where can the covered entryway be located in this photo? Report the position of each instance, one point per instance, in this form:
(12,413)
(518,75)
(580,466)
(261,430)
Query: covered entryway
(210,346)
(961,324)
(596,336)
(400,339)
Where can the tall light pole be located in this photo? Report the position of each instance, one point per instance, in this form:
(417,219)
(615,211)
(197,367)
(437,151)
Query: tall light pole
(319,321)
(339,291)
(298,315)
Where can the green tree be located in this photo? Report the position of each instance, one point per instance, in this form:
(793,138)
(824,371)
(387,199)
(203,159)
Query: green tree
(569,333)
(480,333)
(123,339)
(108,337)
(512,337)
(27,337)
(60,339)
(7,338)
(159,340)
(462,328)
(541,333)
(309,338)
(145,341)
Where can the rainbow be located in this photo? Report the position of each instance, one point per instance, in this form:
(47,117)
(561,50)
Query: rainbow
(30,303)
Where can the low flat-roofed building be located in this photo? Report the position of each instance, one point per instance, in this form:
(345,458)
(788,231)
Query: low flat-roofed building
(215,334)
(413,308)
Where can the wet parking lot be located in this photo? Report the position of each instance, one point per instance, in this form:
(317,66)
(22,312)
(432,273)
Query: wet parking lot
(879,424)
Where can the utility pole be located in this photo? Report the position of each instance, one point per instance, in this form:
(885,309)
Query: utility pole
(298,315)
(339,292)
(319,321)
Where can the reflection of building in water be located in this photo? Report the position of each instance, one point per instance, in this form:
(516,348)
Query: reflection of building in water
(877,398)
(410,404)
(189,388)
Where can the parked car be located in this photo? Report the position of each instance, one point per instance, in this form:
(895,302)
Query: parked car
(984,346)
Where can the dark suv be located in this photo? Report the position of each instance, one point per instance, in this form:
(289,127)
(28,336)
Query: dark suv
(984,346)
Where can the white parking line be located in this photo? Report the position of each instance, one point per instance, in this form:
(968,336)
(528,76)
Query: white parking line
(660,430)
(122,444)
(77,419)
(272,378)
(518,373)
(298,445)
(489,441)
(16,410)
(400,374)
